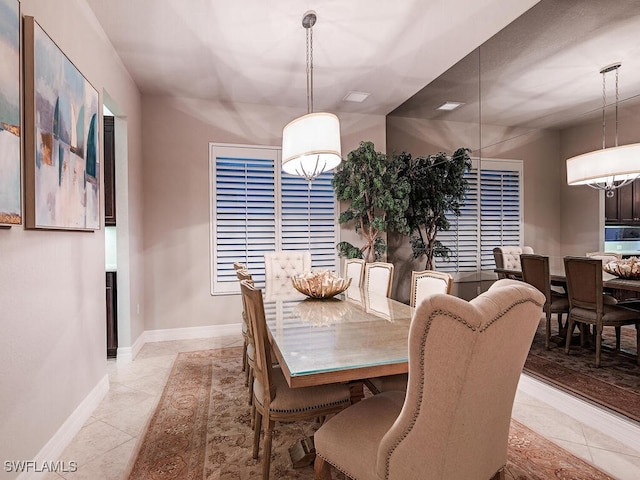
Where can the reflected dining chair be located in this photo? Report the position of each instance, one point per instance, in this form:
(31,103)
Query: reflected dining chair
(535,271)
(378,278)
(273,399)
(465,360)
(286,263)
(588,306)
(354,269)
(423,284)
(508,258)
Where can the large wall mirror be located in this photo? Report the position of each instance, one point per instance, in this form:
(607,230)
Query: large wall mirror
(533,93)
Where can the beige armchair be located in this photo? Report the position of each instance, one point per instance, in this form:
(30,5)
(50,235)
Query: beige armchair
(508,258)
(465,360)
(286,263)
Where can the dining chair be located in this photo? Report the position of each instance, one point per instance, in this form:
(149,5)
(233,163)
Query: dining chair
(465,361)
(508,258)
(588,306)
(248,348)
(286,263)
(378,278)
(354,269)
(535,271)
(273,399)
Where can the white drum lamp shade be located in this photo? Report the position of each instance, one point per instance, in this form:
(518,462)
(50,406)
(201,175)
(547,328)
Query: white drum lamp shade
(606,166)
(311,145)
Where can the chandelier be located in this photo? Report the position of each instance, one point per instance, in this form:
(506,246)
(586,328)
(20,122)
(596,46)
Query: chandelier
(608,168)
(311,143)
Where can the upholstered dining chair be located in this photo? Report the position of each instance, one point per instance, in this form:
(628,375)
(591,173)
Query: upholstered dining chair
(241,266)
(286,263)
(589,306)
(508,258)
(535,271)
(378,278)
(273,399)
(248,348)
(465,360)
(423,284)
(354,269)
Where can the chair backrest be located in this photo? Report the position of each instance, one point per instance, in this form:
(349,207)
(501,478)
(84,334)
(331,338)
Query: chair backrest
(535,271)
(428,282)
(286,263)
(354,269)
(465,361)
(239,266)
(508,257)
(606,257)
(252,297)
(584,282)
(378,278)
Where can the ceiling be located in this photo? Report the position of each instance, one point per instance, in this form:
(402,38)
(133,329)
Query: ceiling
(253,51)
(541,71)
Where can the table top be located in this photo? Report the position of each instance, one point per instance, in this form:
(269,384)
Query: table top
(352,336)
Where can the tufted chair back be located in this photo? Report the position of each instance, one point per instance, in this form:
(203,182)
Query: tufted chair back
(508,257)
(286,263)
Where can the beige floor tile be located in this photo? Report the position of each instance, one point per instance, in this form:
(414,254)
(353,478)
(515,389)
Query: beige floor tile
(597,439)
(550,423)
(93,441)
(110,466)
(618,465)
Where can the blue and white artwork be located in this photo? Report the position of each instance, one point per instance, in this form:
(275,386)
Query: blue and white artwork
(67,170)
(10,182)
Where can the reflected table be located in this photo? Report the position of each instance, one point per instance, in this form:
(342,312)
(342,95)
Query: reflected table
(353,336)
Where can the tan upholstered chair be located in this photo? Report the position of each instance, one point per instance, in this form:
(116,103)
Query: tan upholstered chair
(508,258)
(354,269)
(273,399)
(378,278)
(286,263)
(606,257)
(535,271)
(465,360)
(590,306)
(423,284)
(248,350)
(241,266)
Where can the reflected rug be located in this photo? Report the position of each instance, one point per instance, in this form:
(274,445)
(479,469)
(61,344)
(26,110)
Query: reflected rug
(615,385)
(201,430)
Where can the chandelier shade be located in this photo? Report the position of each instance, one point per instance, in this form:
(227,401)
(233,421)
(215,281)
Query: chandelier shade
(608,166)
(311,145)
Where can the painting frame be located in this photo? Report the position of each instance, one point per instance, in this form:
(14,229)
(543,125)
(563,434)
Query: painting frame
(10,115)
(61,138)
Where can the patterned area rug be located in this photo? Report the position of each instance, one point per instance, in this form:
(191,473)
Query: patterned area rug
(201,430)
(615,385)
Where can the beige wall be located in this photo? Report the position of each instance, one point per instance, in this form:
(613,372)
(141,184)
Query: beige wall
(176,136)
(52,284)
(539,150)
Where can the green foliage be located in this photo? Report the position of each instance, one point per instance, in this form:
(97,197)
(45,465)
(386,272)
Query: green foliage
(438,186)
(378,193)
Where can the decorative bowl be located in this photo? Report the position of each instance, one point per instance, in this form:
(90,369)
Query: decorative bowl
(320,284)
(626,268)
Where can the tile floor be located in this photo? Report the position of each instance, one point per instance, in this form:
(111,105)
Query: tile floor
(105,444)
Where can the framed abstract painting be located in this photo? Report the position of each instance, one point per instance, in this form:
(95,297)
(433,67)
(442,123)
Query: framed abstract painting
(10,141)
(62,166)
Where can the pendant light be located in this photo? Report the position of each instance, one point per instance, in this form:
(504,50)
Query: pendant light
(311,143)
(608,168)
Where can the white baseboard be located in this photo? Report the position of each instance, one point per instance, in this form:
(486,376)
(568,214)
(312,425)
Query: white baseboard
(609,423)
(55,446)
(127,354)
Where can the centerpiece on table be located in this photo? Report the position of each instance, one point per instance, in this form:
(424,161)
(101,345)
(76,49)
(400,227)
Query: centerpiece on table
(625,268)
(320,283)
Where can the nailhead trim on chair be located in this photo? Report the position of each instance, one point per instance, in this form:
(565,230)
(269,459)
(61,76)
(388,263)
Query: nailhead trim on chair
(423,341)
(324,405)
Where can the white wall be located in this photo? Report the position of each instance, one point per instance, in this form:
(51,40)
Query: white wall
(176,136)
(52,283)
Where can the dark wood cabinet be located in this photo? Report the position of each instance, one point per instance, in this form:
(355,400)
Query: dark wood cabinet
(624,207)
(112,316)
(109,172)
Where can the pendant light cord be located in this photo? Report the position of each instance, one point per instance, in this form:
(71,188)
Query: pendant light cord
(309,69)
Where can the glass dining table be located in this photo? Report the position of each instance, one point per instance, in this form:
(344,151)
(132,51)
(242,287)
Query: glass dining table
(353,336)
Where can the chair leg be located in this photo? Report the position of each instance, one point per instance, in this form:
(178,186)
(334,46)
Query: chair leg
(500,475)
(598,344)
(244,355)
(618,339)
(322,469)
(256,434)
(560,323)
(567,343)
(638,343)
(266,452)
(250,385)
(547,333)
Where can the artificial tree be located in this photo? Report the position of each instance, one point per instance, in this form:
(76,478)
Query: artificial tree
(378,195)
(438,187)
